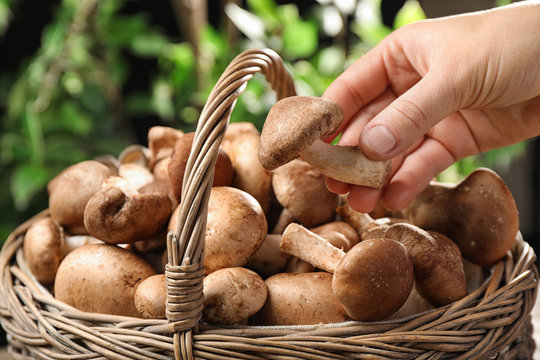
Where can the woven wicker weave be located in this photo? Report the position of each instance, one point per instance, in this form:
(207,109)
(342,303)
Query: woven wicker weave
(493,322)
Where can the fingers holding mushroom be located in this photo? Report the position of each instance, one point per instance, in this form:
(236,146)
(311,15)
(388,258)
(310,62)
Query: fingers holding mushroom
(295,126)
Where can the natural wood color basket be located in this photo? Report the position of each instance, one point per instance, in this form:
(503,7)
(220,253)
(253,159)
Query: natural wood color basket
(492,322)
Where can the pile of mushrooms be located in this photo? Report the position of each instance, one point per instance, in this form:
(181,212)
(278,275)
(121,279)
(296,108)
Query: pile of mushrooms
(280,249)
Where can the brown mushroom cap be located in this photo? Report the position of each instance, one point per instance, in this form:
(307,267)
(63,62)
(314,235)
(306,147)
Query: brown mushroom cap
(70,190)
(479,214)
(300,299)
(241,142)
(438,266)
(101,278)
(374,279)
(369,272)
(302,190)
(161,140)
(42,249)
(151,297)
(232,295)
(235,228)
(117,215)
(286,133)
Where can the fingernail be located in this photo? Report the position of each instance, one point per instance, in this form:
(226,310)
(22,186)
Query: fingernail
(379,139)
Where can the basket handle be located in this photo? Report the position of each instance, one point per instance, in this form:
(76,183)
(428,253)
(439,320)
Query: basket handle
(185,247)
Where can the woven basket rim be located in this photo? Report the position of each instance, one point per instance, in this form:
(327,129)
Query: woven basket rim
(488,322)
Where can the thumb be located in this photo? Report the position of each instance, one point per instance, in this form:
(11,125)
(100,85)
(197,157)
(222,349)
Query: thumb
(407,118)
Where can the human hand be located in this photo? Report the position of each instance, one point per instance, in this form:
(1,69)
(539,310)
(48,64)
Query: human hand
(439,90)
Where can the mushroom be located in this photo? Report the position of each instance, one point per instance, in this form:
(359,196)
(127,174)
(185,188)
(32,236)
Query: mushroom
(101,278)
(42,249)
(372,280)
(223,171)
(119,214)
(73,242)
(70,190)
(134,167)
(235,228)
(232,295)
(161,140)
(338,233)
(268,259)
(300,299)
(135,154)
(302,192)
(241,142)
(295,126)
(438,266)
(151,297)
(479,214)
(364,224)
(414,305)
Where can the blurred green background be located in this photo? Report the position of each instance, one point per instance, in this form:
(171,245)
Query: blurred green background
(81,78)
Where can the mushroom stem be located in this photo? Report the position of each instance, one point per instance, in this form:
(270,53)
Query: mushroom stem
(347,164)
(310,247)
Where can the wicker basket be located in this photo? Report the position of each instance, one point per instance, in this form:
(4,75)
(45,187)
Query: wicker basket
(492,322)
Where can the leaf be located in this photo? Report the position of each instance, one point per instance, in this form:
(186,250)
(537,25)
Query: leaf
(410,12)
(64,150)
(74,119)
(300,39)
(265,10)
(149,44)
(26,181)
(13,148)
(123,29)
(330,61)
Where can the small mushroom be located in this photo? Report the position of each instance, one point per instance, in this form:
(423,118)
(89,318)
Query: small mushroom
(438,266)
(232,295)
(235,228)
(223,170)
(302,192)
(70,190)
(295,126)
(365,225)
(119,214)
(415,304)
(42,249)
(338,233)
(135,154)
(479,214)
(161,140)
(76,241)
(151,296)
(241,142)
(372,280)
(300,299)
(268,259)
(101,278)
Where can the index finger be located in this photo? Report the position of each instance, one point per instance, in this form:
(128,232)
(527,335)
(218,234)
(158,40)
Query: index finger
(362,82)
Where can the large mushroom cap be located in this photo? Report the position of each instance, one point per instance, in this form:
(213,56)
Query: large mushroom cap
(479,214)
(293,124)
